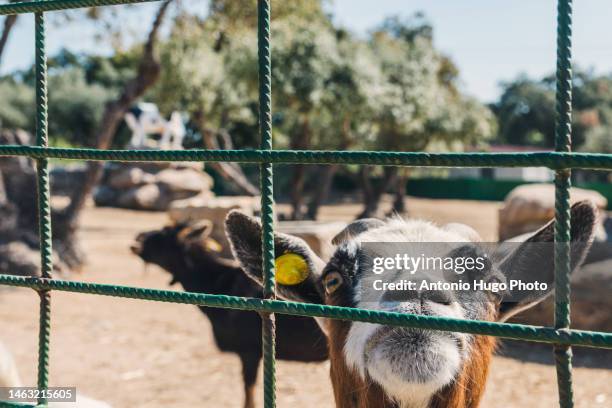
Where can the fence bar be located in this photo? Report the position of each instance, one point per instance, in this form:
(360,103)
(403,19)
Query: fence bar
(24,7)
(44,206)
(506,330)
(563,142)
(8,404)
(552,160)
(268,320)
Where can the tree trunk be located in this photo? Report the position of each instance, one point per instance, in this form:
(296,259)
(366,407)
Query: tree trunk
(328,172)
(19,215)
(323,187)
(9,24)
(147,74)
(399,203)
(228,170)
(299,141)
(372,196)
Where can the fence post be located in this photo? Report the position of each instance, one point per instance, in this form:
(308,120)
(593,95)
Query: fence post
(267,200)
(44,206)
(563,133)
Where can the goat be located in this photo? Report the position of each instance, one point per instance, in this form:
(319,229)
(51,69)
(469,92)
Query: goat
(377,366)
(9,377)
(144,119)
(187,253)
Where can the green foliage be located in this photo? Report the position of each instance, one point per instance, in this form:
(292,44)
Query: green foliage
(17,106)
(79,87)
(75,107)
(332,90)
(526,112)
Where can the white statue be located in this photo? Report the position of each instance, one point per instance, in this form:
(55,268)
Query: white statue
(144,119)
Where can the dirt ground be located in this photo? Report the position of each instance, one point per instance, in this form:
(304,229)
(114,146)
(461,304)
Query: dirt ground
(134,353)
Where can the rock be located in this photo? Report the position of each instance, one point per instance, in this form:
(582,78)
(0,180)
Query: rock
(146,197)
(104,196)
(17,258)
(530,206)
(591,301)
(214,209)
(317,234)
(151,186)
(184,181)
(130,177)
(64,179)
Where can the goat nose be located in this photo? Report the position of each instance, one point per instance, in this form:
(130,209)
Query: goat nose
(401,296)
(442,297)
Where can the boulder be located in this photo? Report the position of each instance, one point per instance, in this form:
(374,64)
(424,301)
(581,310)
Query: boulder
(105,196)
(184,181)
(65,178)
(214,209)
(17,258)
(146,197)
(590,301)
(317,234)
(129,177)
(151,186)
(530,206)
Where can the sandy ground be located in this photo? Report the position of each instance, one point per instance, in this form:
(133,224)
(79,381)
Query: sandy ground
(134,353)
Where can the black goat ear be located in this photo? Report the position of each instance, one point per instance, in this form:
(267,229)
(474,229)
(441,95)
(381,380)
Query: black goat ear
(244,235)
(533,260)
(197,231)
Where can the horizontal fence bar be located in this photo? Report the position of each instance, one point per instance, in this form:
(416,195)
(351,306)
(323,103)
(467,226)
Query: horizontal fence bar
(8,404)
(552,160)
(505,330)
(52,5)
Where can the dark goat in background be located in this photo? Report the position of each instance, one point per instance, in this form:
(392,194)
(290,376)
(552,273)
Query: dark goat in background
(187,253)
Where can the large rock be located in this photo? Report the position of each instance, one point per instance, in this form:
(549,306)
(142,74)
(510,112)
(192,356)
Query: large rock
(214,209)
(146,197)
(151,186)
(317,234)
(17,258)
(186,181)
(65,178)
(530,206)
(590,301)
(130,177)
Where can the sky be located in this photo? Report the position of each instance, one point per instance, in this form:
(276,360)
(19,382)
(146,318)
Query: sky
(491,41)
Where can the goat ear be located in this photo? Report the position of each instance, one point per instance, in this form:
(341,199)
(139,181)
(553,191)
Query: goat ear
(198,231)
(355,228)
(244,235)
(533,260)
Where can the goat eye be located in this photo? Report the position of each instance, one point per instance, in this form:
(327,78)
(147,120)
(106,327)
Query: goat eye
(332,282)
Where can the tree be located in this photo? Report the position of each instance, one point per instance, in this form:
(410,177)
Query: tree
(419,104)
(201,78)
(147,74)
(7,29)
(526,113)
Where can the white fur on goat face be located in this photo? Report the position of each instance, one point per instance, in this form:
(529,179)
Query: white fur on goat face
(410,364)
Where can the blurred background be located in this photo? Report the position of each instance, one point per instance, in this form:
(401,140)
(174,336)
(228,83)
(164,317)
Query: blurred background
(470,76)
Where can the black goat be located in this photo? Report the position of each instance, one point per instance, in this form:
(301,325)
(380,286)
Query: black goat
(186,253)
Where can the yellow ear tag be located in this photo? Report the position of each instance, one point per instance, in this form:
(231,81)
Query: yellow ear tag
(291,269)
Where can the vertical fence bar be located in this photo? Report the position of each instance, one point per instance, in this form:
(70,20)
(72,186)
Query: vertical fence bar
(563,133)
(44,207)
(267,200)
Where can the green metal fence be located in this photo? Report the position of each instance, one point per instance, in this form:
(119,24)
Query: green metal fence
(562,160)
